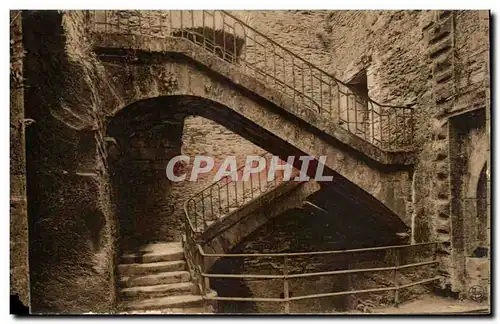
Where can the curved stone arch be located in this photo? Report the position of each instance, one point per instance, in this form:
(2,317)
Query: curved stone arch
(219,94)
(477,170)
(477,162)
(243,121)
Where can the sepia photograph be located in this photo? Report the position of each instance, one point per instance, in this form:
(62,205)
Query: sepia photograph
(245,162)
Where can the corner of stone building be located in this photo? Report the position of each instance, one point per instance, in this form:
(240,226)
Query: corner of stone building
(457,78)
(432,182)
(19,265)
(72,213)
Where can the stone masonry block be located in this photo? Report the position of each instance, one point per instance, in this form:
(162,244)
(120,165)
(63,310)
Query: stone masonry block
(442,63)
(440,150)
(443,209)
(442,170)
(440,48)
(441,30)
(443,225)
(443,77)
(441,189)
(443,92)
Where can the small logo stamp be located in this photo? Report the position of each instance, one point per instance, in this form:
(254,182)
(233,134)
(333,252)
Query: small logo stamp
(476,293)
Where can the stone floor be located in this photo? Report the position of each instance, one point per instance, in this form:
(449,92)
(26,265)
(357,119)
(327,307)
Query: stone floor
(434,305)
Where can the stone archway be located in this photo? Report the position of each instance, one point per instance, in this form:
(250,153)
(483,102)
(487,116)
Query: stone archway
(160,71)
(482,220)
(159,121)
(475,216)
(469,150)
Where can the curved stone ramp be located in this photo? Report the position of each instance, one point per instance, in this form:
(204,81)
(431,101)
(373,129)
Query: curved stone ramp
(225,234)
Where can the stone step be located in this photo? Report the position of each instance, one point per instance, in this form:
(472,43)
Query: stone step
(157,252)
(137,269)
(182,288)
(183,301)
(156,279)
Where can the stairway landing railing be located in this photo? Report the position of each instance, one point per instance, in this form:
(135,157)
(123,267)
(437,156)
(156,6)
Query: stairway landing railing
(230,193)
(227,37)
(402,258)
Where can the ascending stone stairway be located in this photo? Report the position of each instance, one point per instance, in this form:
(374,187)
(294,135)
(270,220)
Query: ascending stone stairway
(155,279)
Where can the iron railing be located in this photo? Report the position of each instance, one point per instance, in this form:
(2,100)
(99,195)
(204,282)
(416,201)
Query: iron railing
(398,259)
(221,198)
(229,38)
(230,193)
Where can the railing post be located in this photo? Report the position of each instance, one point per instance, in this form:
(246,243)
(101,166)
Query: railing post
(372,137)
(350,298)
(205,284)
(285,285)
(396,279)
(338,104)
(381,122)
(355,115)
(203,211)
(412,127)
(206,280)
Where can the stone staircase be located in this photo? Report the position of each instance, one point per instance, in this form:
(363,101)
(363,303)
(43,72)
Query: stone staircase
(155,279)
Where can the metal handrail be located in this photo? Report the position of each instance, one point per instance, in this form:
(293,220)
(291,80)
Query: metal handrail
(285,276)
(227,37)
(222,197)
(193,227)
(316,274)
(298,254)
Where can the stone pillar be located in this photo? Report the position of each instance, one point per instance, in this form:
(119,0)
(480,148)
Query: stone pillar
(71,216)
(19,275)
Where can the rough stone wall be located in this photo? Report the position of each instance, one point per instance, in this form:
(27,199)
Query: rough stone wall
(202,136)
(142,191)
(302,231)
(72,227)
(344,42)
(399,70)
(437,60)
(290,232)
(19,275)
(458,47)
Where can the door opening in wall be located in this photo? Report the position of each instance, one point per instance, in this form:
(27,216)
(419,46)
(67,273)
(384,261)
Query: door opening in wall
(359,83)
(481,250)
(357,107)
